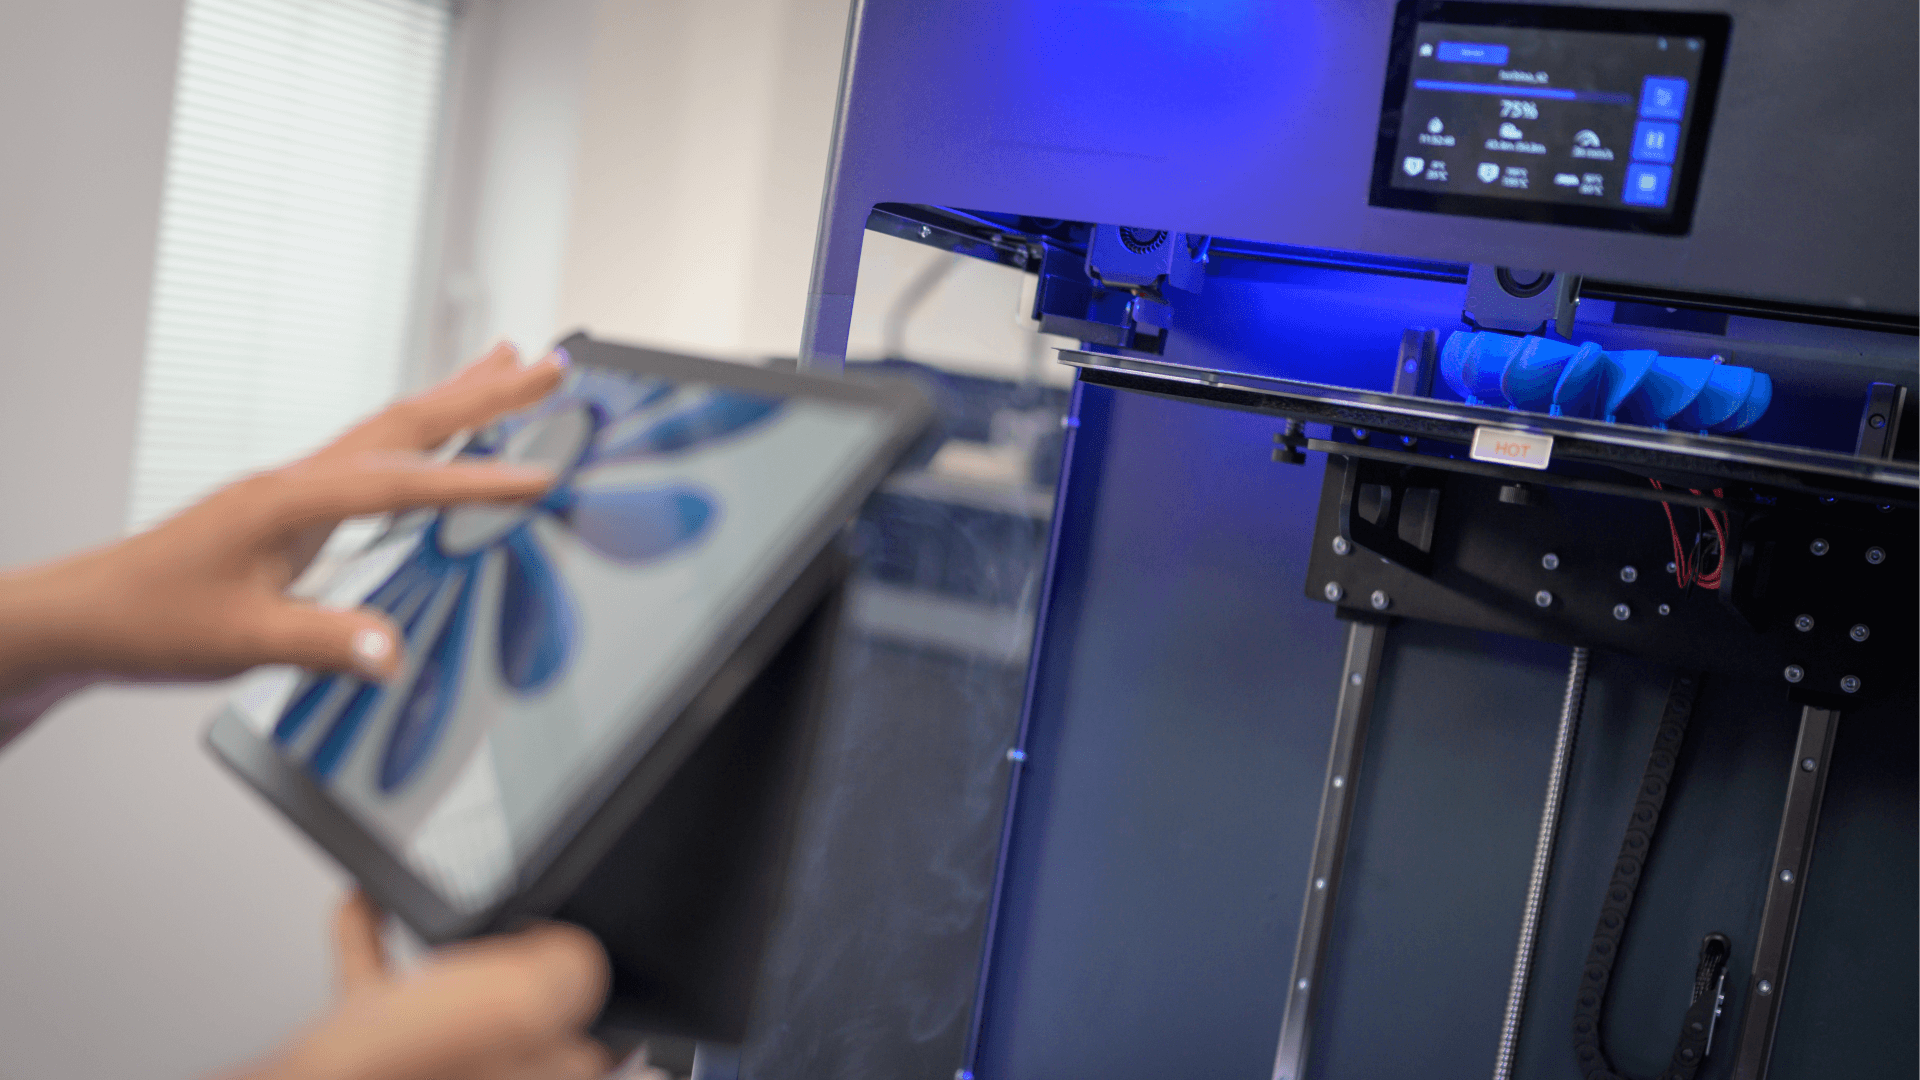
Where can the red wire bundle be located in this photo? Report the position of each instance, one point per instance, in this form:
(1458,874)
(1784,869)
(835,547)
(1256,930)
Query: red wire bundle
(1684,571)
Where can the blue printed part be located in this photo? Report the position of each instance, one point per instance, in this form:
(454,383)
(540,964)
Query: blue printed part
(1472,363)
(1656,140)
(1542,374)
(1528,380)
(1646,185)
(1625,370)
(1663,98)
(627,522)
(1578,391)
(1727,387)
(1671,384)
(1751,409)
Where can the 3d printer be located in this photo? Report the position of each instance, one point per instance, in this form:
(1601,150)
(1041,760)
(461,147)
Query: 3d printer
(1458,336)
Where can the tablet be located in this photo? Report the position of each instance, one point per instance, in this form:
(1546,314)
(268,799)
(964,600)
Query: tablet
(553,649)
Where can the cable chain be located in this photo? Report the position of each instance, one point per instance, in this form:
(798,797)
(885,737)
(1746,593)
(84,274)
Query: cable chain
(1590,1005)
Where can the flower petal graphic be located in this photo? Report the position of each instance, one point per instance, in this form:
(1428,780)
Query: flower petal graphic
(712,416)
(400,596)
(423,716)
(346,728)
(639,524)
(536,620)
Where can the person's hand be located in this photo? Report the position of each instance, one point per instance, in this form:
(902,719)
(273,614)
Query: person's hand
(204,594)
(513,1007)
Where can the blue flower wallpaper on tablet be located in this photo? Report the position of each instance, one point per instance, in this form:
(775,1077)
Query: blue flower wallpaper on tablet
(539,636)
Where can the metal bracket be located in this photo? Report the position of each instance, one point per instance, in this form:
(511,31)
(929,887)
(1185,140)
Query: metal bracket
(1806,786)
(1880,421)
(1366,643)
(1419,357)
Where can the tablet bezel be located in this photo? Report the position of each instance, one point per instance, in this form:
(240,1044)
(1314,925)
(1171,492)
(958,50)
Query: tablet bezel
(622,787)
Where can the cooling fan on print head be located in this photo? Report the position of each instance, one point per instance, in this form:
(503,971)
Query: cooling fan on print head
(595,424)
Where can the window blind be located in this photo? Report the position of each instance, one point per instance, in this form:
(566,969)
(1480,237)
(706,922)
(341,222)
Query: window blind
(290,234)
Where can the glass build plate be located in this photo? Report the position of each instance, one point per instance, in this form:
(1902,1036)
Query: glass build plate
(1625,446)
(1576,116)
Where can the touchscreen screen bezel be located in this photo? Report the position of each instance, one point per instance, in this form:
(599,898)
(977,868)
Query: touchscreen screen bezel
(569,848)
(1676,220)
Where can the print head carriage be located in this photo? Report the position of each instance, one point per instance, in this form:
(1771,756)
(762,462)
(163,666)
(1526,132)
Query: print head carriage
(595,424)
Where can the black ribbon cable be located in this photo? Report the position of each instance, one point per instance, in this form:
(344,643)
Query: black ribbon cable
(1696,1028)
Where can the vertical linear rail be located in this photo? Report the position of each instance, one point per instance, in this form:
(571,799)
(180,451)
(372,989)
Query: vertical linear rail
(1365,644)
(1570,707)
(1806,785)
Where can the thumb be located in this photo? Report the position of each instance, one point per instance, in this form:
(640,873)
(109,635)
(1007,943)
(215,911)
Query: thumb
(361,641)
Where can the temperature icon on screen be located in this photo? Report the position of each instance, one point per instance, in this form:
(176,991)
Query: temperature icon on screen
(1586,137)
(1414,165)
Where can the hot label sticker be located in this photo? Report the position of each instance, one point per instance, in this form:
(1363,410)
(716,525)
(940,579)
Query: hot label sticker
(1504,446)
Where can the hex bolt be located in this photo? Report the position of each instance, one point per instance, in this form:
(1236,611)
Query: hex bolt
(1672,567)
(1859,632)
(1803,623)
(1380,600)
(1850,683)
(1786,876)
(1665,609)
(1622,612)
(1361,434)
(1543,598)
(1876,556)
(1333,591)
(1807,764)
(1356,678)
(926,231)
(1765,988)
(1342,546)
(1550,561)
(1629,574)
(1319,884)
(1409,441)
(1876,421)
(1795,673)
(1302,984)
(1818,547)
(1339,781)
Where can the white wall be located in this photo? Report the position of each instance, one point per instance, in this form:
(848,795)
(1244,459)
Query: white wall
(157,920)
(703,151)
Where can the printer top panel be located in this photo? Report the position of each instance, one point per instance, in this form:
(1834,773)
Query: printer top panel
(1259,121)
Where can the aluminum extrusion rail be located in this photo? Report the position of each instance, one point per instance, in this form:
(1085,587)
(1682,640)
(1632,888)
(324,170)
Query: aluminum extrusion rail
(1806,787)
(1366,643)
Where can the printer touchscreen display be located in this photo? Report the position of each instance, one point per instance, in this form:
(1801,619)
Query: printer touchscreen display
(1549,122)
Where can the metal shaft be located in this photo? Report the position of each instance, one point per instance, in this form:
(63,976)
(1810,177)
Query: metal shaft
(1542,861)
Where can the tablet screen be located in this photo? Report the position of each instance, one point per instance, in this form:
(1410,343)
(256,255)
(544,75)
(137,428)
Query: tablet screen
(544,640)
